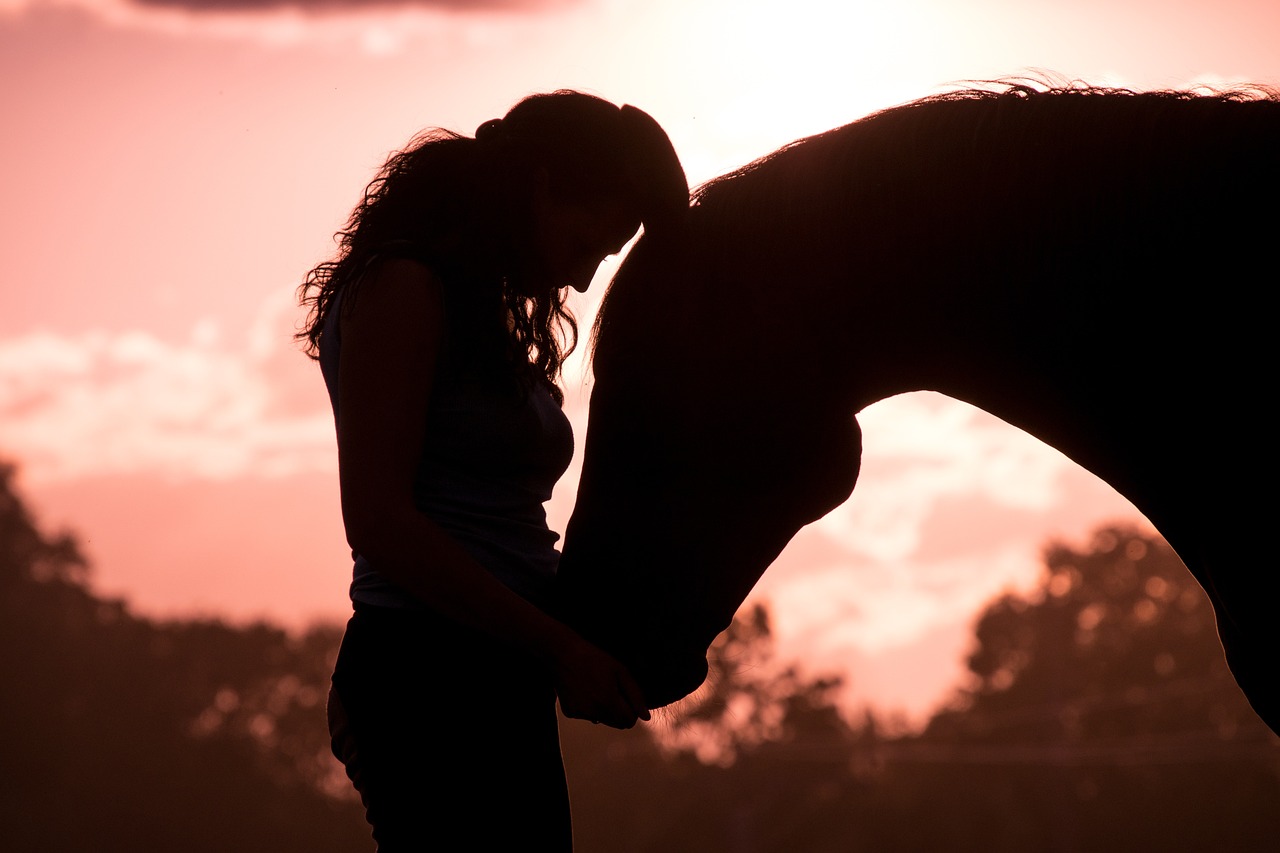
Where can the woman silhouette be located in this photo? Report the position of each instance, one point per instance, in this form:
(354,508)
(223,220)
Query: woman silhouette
(440,330)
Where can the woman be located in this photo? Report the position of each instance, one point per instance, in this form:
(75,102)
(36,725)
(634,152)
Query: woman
(438,329)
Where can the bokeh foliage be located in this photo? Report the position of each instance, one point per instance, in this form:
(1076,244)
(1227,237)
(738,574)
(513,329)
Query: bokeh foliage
(1099,716)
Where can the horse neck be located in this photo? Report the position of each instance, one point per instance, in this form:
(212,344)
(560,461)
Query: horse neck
(1121,374)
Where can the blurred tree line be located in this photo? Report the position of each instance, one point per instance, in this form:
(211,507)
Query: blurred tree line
(122,733)
(1099,716)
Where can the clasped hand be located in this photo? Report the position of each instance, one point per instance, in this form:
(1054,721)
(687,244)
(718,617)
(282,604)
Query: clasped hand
(592,685)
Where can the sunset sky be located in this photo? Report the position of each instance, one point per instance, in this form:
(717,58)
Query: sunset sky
(172,168)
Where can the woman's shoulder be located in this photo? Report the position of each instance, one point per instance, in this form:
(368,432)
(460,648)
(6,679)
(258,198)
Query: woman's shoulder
(403,281)
(394,297)
(395,270)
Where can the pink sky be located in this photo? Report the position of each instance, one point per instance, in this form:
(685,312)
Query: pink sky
(169,175)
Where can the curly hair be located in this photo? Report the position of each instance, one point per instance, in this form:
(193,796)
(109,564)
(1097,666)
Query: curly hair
(464,207)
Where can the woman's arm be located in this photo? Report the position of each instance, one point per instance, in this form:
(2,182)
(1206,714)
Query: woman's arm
(391,339)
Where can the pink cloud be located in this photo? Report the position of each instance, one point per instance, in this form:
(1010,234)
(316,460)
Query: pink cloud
(332,6)
(106,403)
(373,27)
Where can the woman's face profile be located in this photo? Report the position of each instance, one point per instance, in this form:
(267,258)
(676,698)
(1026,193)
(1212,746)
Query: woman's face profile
(572,238)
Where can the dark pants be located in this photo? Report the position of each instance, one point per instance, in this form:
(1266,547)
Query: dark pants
(449,736)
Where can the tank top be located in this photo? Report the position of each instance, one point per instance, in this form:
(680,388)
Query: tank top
(491,454)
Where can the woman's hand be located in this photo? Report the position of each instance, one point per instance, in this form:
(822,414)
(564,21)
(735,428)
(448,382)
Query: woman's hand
(593,686)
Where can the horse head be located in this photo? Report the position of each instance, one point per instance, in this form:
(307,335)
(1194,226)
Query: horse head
(703,458)
(966,243)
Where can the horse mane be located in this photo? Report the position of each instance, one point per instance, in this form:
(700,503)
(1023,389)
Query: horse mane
(1032,124)
(1003,95)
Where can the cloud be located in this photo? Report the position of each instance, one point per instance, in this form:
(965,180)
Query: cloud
(113,9)
(921,450)
(219,16)
(952,508)
(374,27)
(339,6)
(126,403)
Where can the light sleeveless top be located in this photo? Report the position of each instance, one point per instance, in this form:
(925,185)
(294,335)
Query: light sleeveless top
(491,456)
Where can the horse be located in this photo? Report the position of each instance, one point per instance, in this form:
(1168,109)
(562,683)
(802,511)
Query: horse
(1083,263)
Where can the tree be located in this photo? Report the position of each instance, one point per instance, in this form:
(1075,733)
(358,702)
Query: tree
(753,761)
(1118,639)
(123,733)
(750,699)
(1101,716)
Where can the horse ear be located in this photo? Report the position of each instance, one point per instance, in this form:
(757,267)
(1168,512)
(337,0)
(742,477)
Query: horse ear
(655,173)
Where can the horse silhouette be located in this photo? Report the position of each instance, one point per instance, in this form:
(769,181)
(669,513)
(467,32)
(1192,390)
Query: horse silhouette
(1090,265)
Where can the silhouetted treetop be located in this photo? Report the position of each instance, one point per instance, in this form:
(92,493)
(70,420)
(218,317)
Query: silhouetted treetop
(134,734)
(27,554)
(1100,717)
(1117,639)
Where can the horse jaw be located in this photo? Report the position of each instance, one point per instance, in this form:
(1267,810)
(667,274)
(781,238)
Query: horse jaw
(657,608)
(659,556)
(662,644)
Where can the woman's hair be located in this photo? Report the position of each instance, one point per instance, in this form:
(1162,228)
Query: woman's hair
(464,207)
